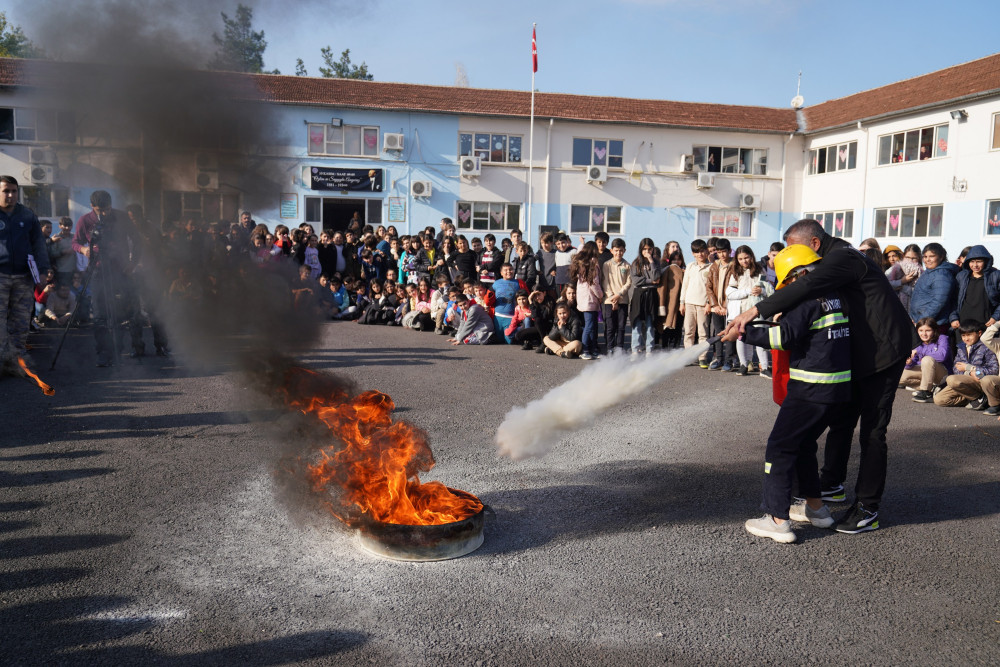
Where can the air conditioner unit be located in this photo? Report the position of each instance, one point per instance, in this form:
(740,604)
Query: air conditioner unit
(42,156)
(392,141)
(749,202)
(207,180)
(706,181)
(471,166)
(687,163)
(43,174)
(206,161)
(597,173)
(421,188)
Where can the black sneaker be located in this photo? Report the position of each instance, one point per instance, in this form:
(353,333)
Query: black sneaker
(765,373)
(742,370)
(550,352)
(857,520)
(992,411)
(978,403)
(923,396)
(833,494)
(541,349)
(526,346)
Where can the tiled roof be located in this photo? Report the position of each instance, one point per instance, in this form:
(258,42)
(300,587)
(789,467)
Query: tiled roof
(978,76)
(348,93)
(479,101)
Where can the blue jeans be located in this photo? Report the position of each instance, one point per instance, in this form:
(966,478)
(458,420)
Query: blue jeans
(590,331)
(642,332)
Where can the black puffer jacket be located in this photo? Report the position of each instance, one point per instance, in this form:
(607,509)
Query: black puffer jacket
(881,331)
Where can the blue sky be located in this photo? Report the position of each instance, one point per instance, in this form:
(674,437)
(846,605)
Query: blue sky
(727,51)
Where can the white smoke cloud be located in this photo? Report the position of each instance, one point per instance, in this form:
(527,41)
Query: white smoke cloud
(534,429)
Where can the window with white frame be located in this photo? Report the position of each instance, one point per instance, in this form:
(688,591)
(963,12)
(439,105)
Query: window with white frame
(908,221)
(835,223)
(996,132)
(606,152)
(201,206)
(730,223)
(593,219)
(344,141)
(730,160)
(487,216)
(833,158)
(993,217)
(490,147)
(47,201)
(919,144)
(40,125)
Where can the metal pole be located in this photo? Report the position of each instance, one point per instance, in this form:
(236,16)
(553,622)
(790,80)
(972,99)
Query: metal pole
(531,134)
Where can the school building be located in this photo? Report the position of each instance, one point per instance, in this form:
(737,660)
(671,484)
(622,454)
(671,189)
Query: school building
(910,162)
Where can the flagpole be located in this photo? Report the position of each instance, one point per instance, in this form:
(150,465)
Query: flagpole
(531,126)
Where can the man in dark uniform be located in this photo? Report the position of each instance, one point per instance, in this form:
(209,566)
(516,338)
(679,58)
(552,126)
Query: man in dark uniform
(107,237)
(20,237)
(882,338)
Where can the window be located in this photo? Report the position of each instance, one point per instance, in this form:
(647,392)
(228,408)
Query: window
(490,147)
(919,144)
(484,216)
(729,160)
(993,218)
(37,125)
(45,200)
(593,219)
(202,206)
(835,223)
(908,221)
(607,152)
(996,131)
(833,158)
(346,140)
(731,223)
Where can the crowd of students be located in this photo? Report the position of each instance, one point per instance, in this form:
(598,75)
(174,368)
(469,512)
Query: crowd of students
(582,301)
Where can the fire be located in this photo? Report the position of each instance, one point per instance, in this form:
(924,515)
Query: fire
(46,389)
(374,472)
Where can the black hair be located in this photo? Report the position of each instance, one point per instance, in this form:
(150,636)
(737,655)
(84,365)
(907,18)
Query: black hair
(971,326)
(777,246)
(100,199)
(618,243)
(938,250)
(9,180)
(490,237)
(602,235)
(723,244)
(698,245)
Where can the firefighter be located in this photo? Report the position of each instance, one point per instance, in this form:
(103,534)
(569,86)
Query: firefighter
(816,334)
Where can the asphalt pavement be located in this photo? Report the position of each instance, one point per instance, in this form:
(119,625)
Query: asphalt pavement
(140,524)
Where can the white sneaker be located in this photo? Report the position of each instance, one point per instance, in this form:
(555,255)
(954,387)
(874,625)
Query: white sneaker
(766,527)
(586,356)
(820,518)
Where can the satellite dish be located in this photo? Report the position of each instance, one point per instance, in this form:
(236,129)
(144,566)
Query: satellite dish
(798,101)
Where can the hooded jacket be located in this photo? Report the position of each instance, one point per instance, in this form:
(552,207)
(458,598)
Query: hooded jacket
(881,333)
(935,294)
(991,280)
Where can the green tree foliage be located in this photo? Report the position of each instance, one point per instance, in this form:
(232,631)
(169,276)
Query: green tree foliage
(240,49)
(13,43)
(343,69)
(300,68)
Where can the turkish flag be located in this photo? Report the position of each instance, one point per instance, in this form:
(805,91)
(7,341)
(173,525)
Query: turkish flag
(534,52)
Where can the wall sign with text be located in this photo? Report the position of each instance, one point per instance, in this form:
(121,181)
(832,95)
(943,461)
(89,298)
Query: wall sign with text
(355,180)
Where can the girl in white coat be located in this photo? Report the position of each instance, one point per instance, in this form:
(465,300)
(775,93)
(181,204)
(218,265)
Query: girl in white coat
(747,287)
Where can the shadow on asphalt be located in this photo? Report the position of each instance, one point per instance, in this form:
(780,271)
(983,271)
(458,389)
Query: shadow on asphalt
(26,547)
(47,456)
(71,630)
(22,579)
(384,356)
(17,479)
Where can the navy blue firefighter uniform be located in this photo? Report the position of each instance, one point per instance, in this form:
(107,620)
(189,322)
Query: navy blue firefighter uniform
(817,337)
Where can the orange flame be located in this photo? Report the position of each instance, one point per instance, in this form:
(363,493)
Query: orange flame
(375,471)
(46,389)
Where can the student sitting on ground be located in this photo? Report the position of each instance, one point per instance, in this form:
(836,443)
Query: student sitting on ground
(975,372)
(928,366)
(477,326)
(60,304)
(564,339)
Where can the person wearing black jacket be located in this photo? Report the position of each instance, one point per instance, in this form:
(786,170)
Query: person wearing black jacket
(466,260)
(565,338)
(882,337)
(542,307)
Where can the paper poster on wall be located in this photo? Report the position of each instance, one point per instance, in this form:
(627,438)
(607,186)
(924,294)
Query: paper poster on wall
(289,205)
(397,209)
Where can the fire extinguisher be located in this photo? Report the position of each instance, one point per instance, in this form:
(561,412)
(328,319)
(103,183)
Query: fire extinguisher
(779,375)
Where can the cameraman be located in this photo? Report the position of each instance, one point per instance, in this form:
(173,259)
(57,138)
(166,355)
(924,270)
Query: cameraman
(111,243)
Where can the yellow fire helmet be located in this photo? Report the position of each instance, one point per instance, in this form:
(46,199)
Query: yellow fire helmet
(791,258)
